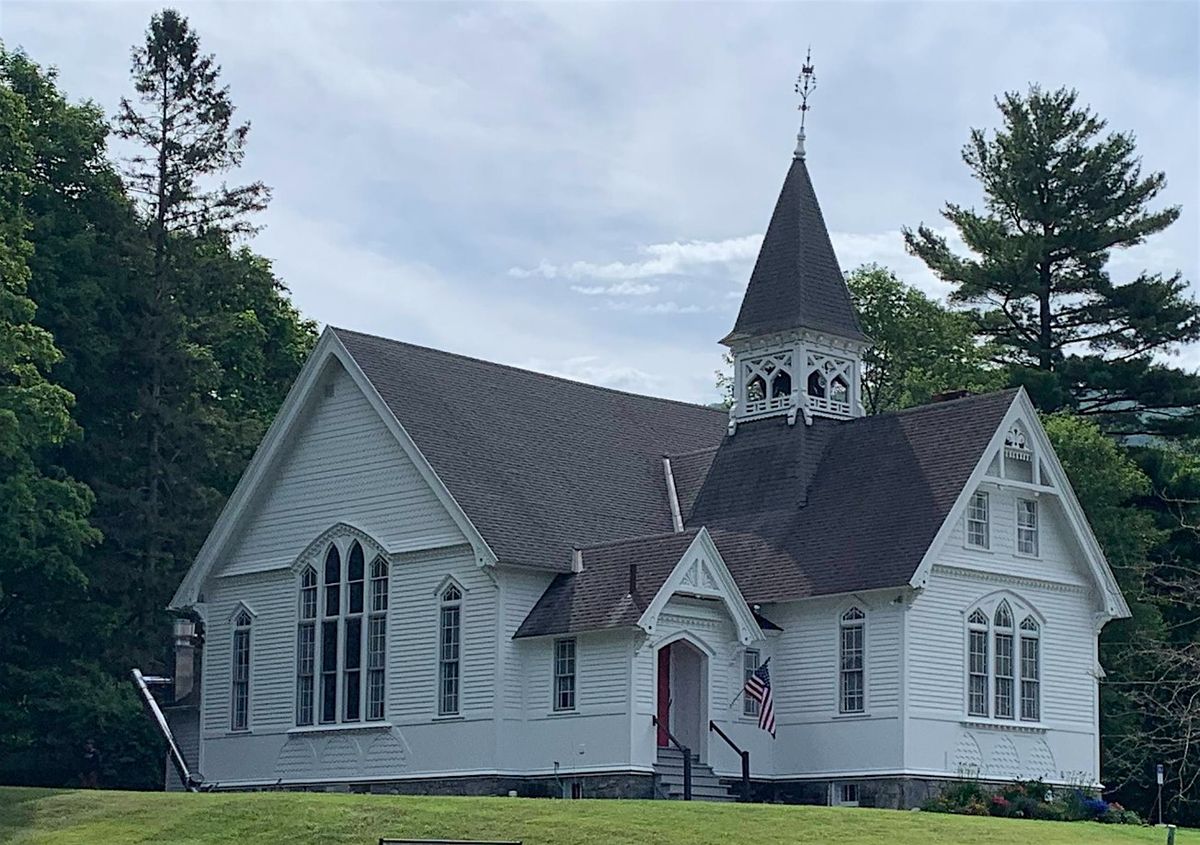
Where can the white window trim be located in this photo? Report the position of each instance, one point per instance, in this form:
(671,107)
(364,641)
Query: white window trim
(837,794)
(1037,528)
(344,544)
(987,522)
(555,676)
(842,624)
(751,707)
(1018,610)
(237,686)
(441,711)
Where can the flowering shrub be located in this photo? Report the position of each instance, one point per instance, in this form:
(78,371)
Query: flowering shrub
(1027,800)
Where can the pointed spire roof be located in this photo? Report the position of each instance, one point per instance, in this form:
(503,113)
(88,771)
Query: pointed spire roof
(796,281)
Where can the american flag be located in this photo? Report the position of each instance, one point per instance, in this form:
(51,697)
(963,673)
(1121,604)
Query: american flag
(758,687)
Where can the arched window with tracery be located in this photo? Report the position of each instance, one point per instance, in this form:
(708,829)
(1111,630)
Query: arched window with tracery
(1014,653)
(341,637)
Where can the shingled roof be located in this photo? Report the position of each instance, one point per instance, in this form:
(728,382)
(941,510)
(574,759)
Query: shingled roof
(796,281)
(539,464)
(798,511)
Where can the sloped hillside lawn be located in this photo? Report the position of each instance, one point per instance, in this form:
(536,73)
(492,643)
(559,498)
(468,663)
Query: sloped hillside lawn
(51,817)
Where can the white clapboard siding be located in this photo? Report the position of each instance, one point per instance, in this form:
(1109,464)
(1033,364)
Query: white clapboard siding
(272,598)
(1059,556)
(937,636)
(413,634)
(805,662)
(520,590)
(342,465)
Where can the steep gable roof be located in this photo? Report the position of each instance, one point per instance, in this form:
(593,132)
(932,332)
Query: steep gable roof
(799,511)
(796,281)
(539,464)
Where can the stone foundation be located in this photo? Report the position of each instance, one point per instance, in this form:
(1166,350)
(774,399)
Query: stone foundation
(605,785)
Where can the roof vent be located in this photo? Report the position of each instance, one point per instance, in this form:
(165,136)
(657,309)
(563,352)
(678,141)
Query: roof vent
(948,395)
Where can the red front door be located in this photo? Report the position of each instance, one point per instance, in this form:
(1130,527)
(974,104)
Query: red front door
(664,694)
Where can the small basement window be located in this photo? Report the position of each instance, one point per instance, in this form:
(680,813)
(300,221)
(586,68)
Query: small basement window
(845,794)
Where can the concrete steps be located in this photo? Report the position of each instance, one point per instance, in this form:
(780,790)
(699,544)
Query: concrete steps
(668,770)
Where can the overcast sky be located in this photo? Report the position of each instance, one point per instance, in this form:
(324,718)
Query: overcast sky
(581,188)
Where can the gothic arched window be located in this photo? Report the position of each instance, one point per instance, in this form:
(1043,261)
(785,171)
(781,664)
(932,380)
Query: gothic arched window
(756,389)
(781,385)
(997,629)
(346,651)
(240,720)
(977,663)
(816,385)
(377,639)
(1004,661)
(851,680)
(306,647)
(1031,670)
(839,391)
(449,647)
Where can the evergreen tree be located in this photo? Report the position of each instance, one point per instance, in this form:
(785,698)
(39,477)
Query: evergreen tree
(1060,197)
(918,348)
(188,400)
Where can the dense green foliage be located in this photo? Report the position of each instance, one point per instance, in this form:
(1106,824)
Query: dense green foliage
(177,345)
(1059,198)
(56,818)
(918,347)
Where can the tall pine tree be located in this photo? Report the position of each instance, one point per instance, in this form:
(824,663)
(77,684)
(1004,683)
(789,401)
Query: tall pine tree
(189,431)
(1059,197)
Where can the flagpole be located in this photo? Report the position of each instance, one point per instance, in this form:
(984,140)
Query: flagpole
(742,691)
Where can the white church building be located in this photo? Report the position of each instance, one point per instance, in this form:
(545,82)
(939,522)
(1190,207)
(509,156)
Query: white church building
(440,574)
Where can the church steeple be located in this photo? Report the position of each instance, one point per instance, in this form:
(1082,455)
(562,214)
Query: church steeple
(797,343)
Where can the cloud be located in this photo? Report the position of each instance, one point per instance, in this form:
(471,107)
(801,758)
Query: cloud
(626,288)
(664,259)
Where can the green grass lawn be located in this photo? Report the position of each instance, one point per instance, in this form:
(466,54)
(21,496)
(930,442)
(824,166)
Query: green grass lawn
(280,818)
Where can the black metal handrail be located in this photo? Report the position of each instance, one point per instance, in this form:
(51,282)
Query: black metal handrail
(687,758)
(745,755)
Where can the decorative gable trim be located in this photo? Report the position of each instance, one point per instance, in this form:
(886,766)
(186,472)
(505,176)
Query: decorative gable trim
(702,572)
(449,581)
(237,611)
(1022,418)
(314,552)
(328,349)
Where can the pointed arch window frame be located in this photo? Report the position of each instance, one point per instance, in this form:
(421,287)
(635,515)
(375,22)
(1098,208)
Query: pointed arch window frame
(340,671)
(1001,657)
(241,622)
(852,660)
(451,599)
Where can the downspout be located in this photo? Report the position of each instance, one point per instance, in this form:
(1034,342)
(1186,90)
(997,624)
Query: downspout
(190,781)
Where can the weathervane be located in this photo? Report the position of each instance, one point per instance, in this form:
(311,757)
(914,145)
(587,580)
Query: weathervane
(806,83)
